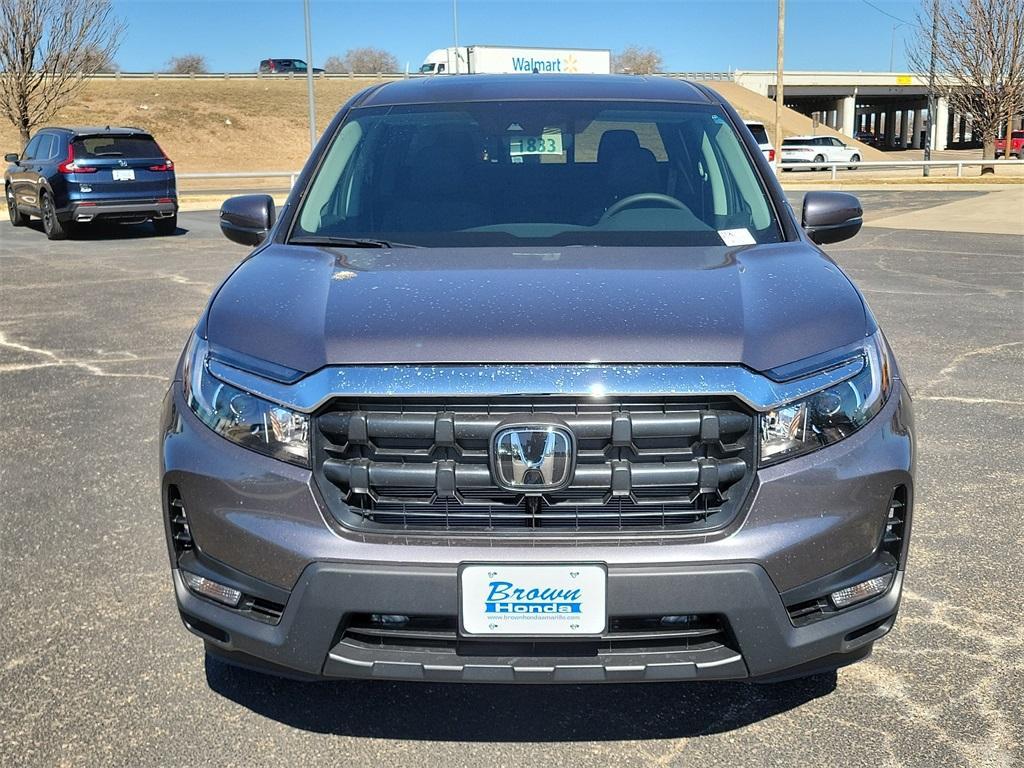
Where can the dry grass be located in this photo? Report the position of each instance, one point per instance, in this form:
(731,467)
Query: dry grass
(211,125)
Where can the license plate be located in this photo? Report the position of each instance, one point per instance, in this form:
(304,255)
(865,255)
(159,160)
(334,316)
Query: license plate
(124,174)
(530,600)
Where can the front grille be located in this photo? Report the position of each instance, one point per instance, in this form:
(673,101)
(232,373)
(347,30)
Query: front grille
(645,464)
(625,634)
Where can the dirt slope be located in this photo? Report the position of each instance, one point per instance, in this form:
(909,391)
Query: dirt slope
(211,125)
(260,124)
(754,106)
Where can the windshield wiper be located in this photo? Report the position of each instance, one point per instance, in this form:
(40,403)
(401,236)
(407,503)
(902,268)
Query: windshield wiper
(348,242)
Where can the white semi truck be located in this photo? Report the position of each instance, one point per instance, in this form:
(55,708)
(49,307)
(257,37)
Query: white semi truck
(491,59)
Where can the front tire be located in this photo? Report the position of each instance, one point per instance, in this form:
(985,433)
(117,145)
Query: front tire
(166,226)
(54,228)
(18,219)
(853,159)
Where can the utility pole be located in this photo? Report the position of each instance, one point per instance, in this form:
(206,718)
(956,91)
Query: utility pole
(892,45)
(455,26)
(309,78)
(931,88)
(779,86)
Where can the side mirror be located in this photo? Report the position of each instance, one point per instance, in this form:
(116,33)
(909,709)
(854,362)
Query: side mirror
(11,157)
(829,217)
(247,219)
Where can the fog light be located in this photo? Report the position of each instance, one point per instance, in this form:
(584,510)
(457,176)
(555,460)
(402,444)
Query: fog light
(862,591)
(211,589)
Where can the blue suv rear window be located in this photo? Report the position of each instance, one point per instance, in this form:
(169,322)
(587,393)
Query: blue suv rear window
(116,146)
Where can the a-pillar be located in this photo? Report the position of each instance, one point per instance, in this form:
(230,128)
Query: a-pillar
(846,114)
(940,125)
(918,126)
(904,129)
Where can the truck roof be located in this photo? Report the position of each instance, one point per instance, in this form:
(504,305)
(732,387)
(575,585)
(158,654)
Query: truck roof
(454,88)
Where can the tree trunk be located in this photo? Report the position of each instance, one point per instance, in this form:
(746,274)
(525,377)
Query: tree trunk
(989,153)
(23,130)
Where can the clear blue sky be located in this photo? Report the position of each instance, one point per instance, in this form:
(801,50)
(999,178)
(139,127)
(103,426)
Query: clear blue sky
(692,35)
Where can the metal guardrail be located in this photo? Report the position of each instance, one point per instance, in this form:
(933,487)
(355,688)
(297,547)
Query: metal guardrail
(833,166)
(704,76)
(290,175)
(958,164)
(241,76)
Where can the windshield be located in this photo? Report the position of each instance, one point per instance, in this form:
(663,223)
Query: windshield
(534,172)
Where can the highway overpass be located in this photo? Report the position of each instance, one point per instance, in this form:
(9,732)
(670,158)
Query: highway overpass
(893,105)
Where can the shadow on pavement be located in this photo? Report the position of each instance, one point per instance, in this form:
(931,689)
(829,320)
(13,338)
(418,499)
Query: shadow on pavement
(101,231)
(511,713)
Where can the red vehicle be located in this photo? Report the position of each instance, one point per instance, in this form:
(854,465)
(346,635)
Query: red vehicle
(1016,145)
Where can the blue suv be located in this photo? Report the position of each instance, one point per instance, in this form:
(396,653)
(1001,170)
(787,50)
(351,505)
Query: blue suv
(72,176)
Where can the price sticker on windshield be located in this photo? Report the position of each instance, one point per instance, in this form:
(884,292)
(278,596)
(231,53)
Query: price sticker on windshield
(545,144)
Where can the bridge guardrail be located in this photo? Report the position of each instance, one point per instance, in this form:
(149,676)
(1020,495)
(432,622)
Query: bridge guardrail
(703,76)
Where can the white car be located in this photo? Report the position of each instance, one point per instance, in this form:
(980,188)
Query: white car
(761,137)
(816,150)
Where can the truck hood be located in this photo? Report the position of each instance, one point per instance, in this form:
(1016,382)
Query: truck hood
(763,306)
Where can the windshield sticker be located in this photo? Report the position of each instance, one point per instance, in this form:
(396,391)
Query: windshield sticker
(548,143)
(736,237)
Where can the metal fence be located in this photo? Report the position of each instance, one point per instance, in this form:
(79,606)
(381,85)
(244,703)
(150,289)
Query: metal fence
(958,164)
(833,167)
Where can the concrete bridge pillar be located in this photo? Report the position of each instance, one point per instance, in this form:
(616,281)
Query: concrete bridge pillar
(918,126)
(940,125)
(846,113)
(890,126)
(904,128)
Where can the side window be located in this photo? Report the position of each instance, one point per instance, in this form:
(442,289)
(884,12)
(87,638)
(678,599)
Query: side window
(836,142)
(440,68)
(45,151)
(31,151)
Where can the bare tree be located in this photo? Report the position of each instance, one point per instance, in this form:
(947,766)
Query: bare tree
(979,59)
(362,61)
(187,64)
(635,60)
(46,49)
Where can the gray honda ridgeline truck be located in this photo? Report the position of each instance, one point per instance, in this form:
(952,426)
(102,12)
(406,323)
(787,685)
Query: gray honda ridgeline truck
(538,379)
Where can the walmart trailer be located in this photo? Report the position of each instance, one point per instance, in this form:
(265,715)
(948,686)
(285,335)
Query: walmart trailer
(489,59)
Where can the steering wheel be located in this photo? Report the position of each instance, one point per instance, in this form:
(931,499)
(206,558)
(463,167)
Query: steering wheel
(643,197)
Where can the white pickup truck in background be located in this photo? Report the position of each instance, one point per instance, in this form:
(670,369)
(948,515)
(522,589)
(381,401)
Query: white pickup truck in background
(488,59)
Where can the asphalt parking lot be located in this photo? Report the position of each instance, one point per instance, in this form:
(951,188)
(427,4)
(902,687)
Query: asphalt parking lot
(96,669)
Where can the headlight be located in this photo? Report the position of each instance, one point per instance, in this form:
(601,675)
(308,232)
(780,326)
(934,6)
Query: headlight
(241,417)
(832,414)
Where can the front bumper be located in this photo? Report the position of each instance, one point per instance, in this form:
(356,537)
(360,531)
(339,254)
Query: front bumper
(306,641)
(262,526)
